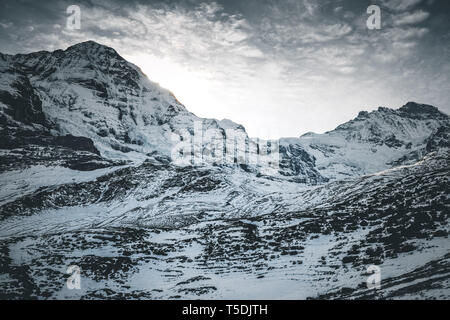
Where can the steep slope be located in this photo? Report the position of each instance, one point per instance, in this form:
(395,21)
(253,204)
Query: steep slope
(89,90)
(397,220)
(28,137)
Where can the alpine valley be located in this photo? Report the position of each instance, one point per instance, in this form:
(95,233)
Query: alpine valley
(88,178)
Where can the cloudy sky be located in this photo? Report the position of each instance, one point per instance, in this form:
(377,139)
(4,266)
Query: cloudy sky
(280,68)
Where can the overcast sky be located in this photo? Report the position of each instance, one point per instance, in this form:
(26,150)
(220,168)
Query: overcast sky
(280,68)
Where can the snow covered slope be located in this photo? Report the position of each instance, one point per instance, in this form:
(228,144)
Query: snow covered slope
(157,232)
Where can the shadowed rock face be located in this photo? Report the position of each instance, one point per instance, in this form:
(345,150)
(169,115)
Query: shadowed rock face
(420,111)
(86,179)
(22,105)
(76,143)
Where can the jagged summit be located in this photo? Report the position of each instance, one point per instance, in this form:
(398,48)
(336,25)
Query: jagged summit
(387,119)
(94,51)
(90,90)
(90,57)
(89,44)
(374,140)
(410,109)
(90,47)
(415,110)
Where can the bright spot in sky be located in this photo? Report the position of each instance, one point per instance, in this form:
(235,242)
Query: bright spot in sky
(266,103)
(202,93)
(191,88)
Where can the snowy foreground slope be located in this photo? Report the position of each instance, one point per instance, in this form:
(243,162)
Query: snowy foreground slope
(88,178)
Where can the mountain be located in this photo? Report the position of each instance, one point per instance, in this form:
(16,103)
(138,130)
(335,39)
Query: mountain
(377,140)
(90,91)
(103,169)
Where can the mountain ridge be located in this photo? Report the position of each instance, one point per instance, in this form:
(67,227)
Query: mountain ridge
(89,90)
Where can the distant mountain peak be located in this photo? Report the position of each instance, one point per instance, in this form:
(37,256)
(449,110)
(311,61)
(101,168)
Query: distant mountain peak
(414,107)
(385,109)
(409,110)
(92,48)
(88,43)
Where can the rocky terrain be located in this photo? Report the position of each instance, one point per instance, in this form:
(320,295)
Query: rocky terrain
(90,175)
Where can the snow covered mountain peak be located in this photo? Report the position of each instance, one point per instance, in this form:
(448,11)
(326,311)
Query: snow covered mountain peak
(93,49)
(376,140)
(90,90)
(90,64)
(412,110)
(422,111)
(388,126)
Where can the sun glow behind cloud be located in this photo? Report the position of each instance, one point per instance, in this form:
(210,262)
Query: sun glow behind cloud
(191,88)
(207,96)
